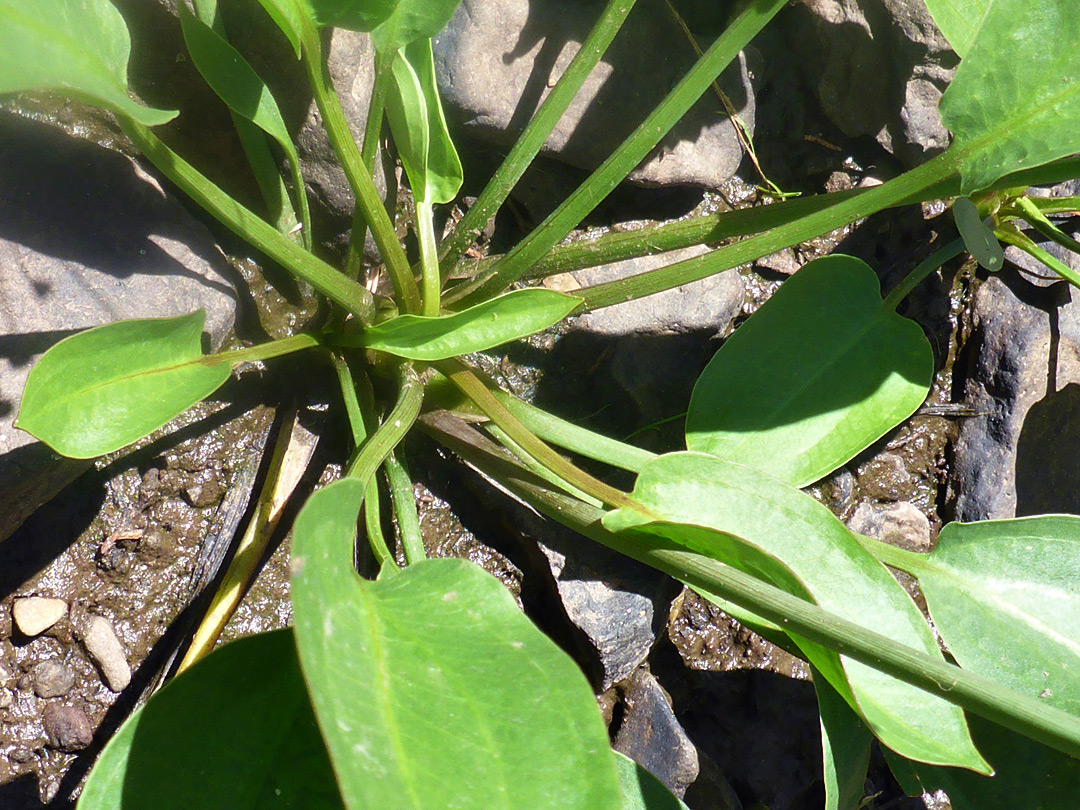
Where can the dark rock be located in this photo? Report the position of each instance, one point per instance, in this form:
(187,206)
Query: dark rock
(496,62)
(52,679)
(1020,454)
(879,69)
(86,238)
(651,736)
(67,727)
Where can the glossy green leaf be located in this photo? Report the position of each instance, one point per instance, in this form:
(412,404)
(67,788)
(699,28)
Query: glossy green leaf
(814,377)
(236,730)
(641,790)
(958,20)
(412,20)
(239,86)
(419,126)
(292,17)
(1014,102)
(1005,596)
(79,49)
(432,688)
(107,387)
(840,575)
(845,749)
(1028,776)
(481,327)
(356,15)
(978,237)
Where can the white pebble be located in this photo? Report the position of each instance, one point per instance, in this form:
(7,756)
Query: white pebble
(108,653)
(35,614)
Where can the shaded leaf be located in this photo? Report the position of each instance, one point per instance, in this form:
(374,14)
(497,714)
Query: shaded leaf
(641,790)
(978,237)
(236,730)
(356,15)
(840,575)
(107,387)
(958,20)
(412,20)
(290,16)
(811,379)
(1005,596)
(419,126)
(432,688)
(239,86)
(1028,776)
(1013,103)
(845,749)
(79,49)
(483,326)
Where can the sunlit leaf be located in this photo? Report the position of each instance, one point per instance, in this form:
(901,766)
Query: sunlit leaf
(432,688)
(814,377)
(837,572)
(483,326)
(236,730)
(107,387)
(958,20)
(77,48)
(1015,100)
(412,20)
(1005,596)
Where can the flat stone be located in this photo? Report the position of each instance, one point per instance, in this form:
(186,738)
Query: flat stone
(34,615)
(67,727)
(51,678)
(1020,453)
(650,734)
(497,61)
(86,238)
(104,647)
(901,524)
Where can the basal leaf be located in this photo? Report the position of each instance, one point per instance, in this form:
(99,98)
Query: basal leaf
(483,326)
(814,377)
(432,688)
(1028,776)
(237,730)
(978,238)
(419,126)
(1015,100)
(107,387)
(641,790)
(239,86)
(959,20)
(839,574)
(412,20)
(1005,596)
(845,749)
(77,48)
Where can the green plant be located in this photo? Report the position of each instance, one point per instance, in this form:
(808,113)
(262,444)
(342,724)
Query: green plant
(726,516)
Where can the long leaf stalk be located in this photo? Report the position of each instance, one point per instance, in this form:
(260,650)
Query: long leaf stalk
(532,138)
(249,226)
(429,259)
(923,269)
(359,175)
(404,500)
(982,696)
(1012,236)
(648,134)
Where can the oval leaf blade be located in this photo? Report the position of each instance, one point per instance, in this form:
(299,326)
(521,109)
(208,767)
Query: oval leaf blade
(1005,596)
(107,387)
(406,111)
(840,575)
(484,326)
(237,730)
(79,49)
(814,377)
(958,20)
(412,20)
(1014,102)
(432,688)
(978,238)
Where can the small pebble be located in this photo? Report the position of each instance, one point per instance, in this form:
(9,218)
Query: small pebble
(5,675)
(68,728)
(52,679)
(36,614)
(6,699)
(108,653)
(901,524)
